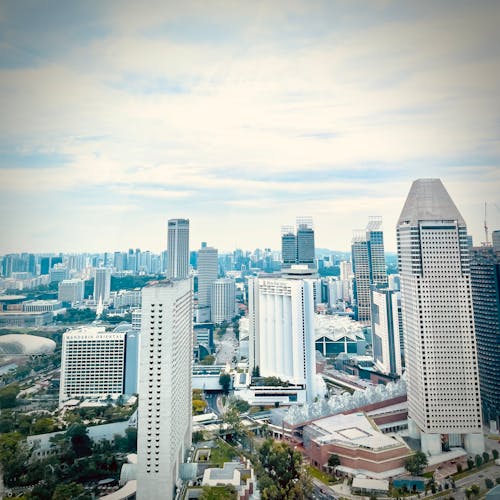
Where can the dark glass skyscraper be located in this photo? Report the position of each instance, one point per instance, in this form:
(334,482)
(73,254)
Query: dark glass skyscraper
(485,283)
(368,264)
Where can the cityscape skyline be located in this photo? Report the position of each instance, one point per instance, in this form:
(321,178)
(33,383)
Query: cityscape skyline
(120,116)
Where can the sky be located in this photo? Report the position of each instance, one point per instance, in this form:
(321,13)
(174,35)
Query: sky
(118,115)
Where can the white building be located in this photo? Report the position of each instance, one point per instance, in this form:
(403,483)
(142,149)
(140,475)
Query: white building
(102,285)
(54,306)
(178,248)
(92,363)
(386,334)
(166,352)
(440,342)
(223,300)
(208,272)
(127,298)
(281,328)
(71,291)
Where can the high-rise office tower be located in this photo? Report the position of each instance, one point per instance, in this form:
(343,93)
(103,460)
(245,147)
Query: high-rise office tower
(444,404)
(368,262)
(223,292)
(495,238)
(71,291)
(208,272)
(166,351)
(92,363)
(297,246)
(288,246)
(102,285)
(386,335)
(305,242)
(485,282)
(178,248)
(281,327)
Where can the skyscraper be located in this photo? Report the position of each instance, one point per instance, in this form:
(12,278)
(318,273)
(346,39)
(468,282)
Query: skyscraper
(386,335)
(444,405)
(298,247)
(208,272)
(288,246)
(305,242)
(223,292)
(485,282)
(281,328)
(92,363)
(166,351)
(102,285)
(178,248)
(368,262)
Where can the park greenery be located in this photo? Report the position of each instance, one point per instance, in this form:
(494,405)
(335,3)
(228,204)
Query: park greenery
(76,316)
(208,360)
(199,404)
(416,463)
(225,381)
(280,472)
(77,460)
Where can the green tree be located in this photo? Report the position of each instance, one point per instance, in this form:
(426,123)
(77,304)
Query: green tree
(486,457)
(479,460)
(231,418)
(489,483)
(227,492)
(198,406)
(475,490)
(79,439)
(240,404)
(68,491)
(225,381)
(416,463)
(8,396)
(43,425)
(495,454)
(281,475)
(208,360)
(13,455)
(333,460)
(256,372)
(470,463)
(198,436)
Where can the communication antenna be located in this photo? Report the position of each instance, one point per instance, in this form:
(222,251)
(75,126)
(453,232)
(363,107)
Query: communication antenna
(486,226)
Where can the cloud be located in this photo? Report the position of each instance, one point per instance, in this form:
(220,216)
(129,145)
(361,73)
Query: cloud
(234,110)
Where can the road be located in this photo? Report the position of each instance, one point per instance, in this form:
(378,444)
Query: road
(478,478)
(226,348)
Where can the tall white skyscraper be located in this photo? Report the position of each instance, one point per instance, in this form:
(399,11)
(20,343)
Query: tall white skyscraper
(178,248)
(223,300)
(102,285)
(92,363)
(281,328)
(444,405)
(208,272)
(166,351)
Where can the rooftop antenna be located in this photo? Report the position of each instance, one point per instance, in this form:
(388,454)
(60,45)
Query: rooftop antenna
(485,226)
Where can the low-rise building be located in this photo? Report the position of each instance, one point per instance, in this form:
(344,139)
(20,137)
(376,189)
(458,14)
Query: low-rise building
(237,474)
(359,444)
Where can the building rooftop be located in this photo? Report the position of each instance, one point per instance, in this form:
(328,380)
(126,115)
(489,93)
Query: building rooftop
(429,200)
(352,430)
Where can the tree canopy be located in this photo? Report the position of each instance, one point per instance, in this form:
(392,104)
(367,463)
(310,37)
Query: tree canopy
(280,473)
(416,464)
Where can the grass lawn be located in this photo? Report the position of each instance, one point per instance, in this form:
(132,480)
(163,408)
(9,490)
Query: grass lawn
(223,453)
(322,476)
